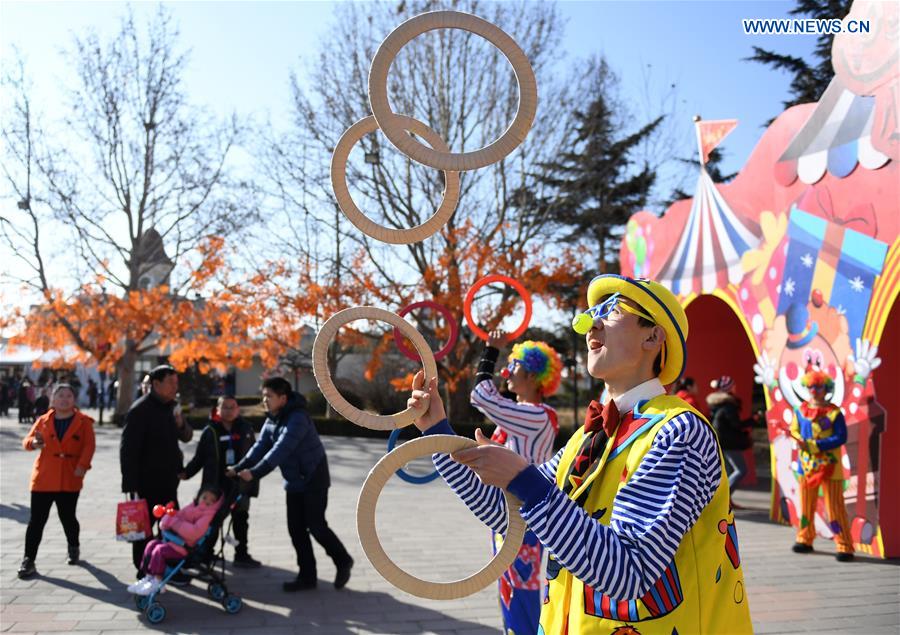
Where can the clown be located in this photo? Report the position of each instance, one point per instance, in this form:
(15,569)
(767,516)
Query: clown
(634,510)
(811,336)
(820,430)
(528,427)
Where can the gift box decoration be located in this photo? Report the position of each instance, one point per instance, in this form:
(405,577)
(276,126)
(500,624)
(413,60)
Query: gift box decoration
(839,262)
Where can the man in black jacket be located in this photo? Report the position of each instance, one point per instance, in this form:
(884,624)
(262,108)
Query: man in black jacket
(149,455)
(289,441)
(223,442)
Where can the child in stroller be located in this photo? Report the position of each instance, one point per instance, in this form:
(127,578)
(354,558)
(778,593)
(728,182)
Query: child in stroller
(188,541)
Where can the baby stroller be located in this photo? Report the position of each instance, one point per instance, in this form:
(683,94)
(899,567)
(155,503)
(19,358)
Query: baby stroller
(204,562)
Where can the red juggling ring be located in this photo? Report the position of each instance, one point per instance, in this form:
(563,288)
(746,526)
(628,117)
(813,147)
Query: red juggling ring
(445,312)
(520,289)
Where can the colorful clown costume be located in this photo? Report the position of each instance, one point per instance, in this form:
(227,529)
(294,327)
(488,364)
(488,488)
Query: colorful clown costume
(650,514)
(529,430)
(821,431)
(634,510)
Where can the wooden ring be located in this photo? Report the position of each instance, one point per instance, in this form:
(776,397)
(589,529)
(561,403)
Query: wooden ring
(515,284)
(369,227)
(368,536)
(451,322)
(330,391)
(393,127)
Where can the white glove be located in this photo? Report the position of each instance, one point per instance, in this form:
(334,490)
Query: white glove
(866,359)
(765,370)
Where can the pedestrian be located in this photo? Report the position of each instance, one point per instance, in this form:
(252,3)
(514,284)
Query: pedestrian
(686,390)
(42,402)
(149,456)
(111,393)
(528,426)
(92,393)
(4,398)
(25,399)
(289,440)
(225,441)
(634,510)
(65,438)
(734,434)
(144,388)
(819,428)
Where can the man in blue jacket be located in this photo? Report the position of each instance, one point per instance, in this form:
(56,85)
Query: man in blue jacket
(289,441)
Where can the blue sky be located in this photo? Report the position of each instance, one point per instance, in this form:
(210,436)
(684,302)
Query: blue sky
(242,52)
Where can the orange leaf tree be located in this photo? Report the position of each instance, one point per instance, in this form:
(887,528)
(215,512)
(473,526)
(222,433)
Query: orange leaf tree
(124,193)
(93,327)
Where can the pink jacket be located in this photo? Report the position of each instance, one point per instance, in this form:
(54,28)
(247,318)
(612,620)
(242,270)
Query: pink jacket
(190,522)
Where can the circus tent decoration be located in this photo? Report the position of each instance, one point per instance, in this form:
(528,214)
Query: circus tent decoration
(837,137)
(709,251)
(817,283)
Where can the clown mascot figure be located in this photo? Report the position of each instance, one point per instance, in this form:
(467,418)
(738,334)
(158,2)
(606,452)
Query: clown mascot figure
(816,336)
(820,431)
(528,427)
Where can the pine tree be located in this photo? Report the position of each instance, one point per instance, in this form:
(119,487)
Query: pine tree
(596,185)
(713,168)
(811,78)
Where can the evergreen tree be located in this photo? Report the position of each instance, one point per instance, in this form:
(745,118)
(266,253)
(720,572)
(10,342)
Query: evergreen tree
(811,78)
(596,184)
(713,168)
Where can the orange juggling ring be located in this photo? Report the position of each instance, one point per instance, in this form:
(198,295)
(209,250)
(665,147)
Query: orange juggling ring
(520,289)
(451,322)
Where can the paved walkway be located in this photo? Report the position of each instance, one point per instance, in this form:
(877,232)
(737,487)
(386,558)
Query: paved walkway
(424,528)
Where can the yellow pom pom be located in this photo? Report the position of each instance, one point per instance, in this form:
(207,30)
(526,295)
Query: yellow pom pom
(582,323)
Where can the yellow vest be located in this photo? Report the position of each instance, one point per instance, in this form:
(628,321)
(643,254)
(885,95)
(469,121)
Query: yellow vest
(701,591)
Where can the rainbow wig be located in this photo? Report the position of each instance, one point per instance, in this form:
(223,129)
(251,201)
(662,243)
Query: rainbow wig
(540,359)
(817,378)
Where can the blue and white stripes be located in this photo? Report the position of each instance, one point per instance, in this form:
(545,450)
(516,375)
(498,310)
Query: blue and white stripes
(651,514)
(528,428)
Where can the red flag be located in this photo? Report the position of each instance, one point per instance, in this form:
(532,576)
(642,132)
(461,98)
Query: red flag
(710,134)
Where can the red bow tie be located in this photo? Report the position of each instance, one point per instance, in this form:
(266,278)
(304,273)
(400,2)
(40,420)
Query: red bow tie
(604,417)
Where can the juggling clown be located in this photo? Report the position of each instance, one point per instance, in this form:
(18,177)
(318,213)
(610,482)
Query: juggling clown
(528,427)
(634,511)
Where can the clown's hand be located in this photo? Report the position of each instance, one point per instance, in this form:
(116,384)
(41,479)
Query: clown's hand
(765,370)
(494,464)
(865,361)
(427,399)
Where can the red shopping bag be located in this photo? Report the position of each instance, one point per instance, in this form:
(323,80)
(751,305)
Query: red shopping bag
(132,521)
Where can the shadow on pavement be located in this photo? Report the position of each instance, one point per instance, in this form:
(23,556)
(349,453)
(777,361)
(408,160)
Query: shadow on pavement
(109,594)
(17,512)
(346,611)
(860,559)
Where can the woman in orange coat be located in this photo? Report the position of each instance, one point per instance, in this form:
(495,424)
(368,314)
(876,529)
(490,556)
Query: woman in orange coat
(65,438)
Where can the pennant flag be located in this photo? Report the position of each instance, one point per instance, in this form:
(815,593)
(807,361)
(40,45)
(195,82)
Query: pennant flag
(710,134)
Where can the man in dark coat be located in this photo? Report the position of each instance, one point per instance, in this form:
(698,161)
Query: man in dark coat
(734,434)
(149,455)
(223,442)
(289,440)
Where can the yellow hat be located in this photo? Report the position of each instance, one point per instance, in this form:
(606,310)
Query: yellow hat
(663,307)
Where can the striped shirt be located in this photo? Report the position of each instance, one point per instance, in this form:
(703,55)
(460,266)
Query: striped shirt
(651,514)
(529,430)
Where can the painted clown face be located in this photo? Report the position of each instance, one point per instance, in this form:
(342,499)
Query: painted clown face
(793,364)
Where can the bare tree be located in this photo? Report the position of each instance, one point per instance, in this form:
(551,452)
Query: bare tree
(133,167)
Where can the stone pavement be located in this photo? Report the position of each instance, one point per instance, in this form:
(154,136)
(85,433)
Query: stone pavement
(424,529)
